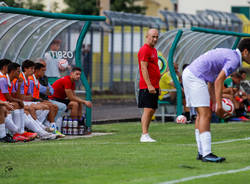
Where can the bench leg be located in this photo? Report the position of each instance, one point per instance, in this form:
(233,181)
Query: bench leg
(162,114)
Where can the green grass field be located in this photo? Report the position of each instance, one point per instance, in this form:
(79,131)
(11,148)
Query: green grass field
(121,158)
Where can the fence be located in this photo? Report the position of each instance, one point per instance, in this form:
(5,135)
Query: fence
(110,54)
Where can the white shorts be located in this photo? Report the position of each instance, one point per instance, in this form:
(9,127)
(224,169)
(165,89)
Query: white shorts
(29,103)
(195,89)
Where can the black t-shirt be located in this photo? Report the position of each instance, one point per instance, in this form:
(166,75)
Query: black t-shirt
(44,81)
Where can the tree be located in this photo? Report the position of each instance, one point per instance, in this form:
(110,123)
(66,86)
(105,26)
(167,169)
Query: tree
(85,7)
(34,5)
(14,3)
(29,4)
(127,6)
(91,7)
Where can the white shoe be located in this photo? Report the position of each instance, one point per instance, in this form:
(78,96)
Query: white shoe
(48,136)
(146,138)
(49,129)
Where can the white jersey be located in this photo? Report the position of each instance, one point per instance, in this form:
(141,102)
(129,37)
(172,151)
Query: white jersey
(52,69)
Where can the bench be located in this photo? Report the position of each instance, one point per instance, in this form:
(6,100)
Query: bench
(164,110)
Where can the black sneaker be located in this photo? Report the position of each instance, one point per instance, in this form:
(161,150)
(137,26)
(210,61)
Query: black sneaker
(7,139)
(199,156)
(213,158)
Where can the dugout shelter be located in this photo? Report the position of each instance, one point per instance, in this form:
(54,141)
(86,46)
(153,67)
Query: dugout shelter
(27,34)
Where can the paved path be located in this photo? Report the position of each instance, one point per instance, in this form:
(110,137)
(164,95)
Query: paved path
(108,113)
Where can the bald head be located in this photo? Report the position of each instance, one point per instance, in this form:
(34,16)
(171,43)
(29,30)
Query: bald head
(152,37)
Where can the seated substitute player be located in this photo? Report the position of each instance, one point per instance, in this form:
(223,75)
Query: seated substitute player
(9,124)
(36,88)
(245,85)
(8,93)
(239,98)
(3,114)
(203,80)
(64,92)
(43,79)
(45,107)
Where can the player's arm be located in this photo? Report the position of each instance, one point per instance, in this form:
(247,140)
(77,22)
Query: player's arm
(211,91)
(18,93)
(219,83)
(11,99)
(72,97)
(8,105)
(144,70)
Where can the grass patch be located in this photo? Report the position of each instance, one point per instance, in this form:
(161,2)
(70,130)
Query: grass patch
(120,158)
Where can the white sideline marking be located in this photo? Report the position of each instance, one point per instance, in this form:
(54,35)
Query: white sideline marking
(222,142)
(57,142)
(207,175)
(232,140)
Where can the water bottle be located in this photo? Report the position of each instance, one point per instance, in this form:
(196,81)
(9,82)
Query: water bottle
(65,122)
(70,123)
(75,123)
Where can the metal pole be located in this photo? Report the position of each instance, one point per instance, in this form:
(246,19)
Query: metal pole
(91,57)
(172,72)
(132,54)
(141,36)
(83,77)
(111,59)
(122,53)
(101,59)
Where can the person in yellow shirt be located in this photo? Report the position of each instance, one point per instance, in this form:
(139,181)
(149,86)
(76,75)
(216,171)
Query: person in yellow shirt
(167,86)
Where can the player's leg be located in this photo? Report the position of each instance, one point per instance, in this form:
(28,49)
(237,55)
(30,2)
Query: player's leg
(73,106)
(79,111)
(17,118)
(52,113)
(203,127)
(2,125)
(197,138)
(33,125)
(61,109)
(149,103)
(145,122)
(205,115)
(146,119)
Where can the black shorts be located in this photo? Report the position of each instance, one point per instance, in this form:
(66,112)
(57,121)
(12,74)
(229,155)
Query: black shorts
(148,100)
(65,101)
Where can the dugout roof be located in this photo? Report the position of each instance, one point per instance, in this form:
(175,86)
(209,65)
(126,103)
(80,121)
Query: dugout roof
(192,44)
(23,36)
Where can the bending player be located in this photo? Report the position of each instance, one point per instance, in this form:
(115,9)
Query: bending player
(206,75)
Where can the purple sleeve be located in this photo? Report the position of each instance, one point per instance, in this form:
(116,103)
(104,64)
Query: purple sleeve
(230,66)
(21,88)
(31,87)
(4,85)
(13,88)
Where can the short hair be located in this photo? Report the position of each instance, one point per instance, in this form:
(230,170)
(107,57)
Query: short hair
(76,69)
(237,75)
(244,44)
(4,62)
(13,67)
(184,66)
(56,41)
(38,60)
(27,64)
(241,71)
(38,66)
